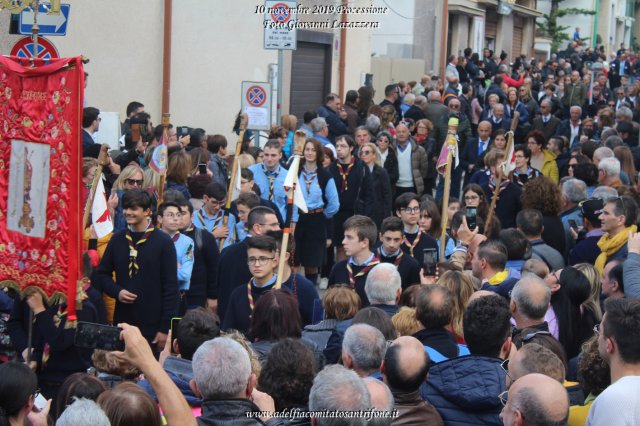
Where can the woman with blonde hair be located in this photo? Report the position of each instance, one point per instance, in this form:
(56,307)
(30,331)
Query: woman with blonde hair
(624,155)
(461,287)
(593,302)
(130,177)
(405,322)
(245,161)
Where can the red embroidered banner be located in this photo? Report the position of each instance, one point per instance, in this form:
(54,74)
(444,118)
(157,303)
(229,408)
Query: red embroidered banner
(40,175)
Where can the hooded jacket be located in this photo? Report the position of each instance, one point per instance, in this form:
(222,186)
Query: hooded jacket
(465,390)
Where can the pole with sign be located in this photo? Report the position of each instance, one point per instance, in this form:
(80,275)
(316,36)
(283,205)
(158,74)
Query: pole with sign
(280,33)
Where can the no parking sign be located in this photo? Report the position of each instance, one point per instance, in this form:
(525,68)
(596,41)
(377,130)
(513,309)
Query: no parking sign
(256,102)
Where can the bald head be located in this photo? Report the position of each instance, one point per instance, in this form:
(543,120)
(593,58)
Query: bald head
(381,397)
(537,398)
(484,130)
(482,293)
(433,96)
(405,365)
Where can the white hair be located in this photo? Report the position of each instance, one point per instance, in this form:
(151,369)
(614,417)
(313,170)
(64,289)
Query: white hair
(604,193)
(365,345)
(83,411)
(603,152)
(409,98)
(574,190)
(221,368)
(610,165)
(382,285)
(337,389)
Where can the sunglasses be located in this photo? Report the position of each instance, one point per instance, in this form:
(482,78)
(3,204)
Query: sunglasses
(133,182)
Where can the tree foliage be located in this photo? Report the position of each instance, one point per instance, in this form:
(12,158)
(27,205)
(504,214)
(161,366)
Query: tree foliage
(549,27)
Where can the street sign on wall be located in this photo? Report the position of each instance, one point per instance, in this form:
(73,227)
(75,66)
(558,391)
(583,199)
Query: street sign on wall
(48,24)
(279,25)
(25,48)
(256,103)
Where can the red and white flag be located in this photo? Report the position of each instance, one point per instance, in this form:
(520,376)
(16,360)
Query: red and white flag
(100,216)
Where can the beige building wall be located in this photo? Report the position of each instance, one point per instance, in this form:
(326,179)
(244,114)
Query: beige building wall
(216,44)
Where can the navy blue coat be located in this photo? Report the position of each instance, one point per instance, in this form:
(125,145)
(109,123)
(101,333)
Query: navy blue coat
(465,390)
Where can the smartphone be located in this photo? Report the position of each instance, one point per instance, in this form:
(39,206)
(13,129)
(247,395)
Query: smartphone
(202,168)
(573,225)
(429,261)
(471,214)
(98,336)
(40,401)
(174,332)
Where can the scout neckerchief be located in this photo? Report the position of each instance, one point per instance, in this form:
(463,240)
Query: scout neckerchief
(503,185)
(217,219)
(396,262)
(415,242)
(133,248)
(250,296)
(271,176)
(368,265)
(175,237)
(308,177)
(345,174)
(189,229)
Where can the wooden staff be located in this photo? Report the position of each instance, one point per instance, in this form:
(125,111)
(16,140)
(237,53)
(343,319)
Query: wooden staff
(452,141)
(102,161)
(299,141)
(166,119)
(499,174)
(234,171)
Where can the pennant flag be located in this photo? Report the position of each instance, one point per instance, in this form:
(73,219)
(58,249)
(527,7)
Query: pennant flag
(235,193)
(291,180)
(509,163)
(450,145)
(158,160)
(100,216)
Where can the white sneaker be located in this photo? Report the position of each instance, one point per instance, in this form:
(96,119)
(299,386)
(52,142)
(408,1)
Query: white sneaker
(324,283)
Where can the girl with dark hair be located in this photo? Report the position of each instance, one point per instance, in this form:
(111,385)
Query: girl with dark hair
(473,196)
(276,316)
(18,389)
(431,222)
(78,385)
(321,197)
(570,289)
(384,142)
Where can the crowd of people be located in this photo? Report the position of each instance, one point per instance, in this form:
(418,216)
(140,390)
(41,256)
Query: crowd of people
(530,317)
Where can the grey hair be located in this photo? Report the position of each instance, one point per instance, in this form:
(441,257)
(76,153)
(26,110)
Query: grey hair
(409,98)
(373,123)
(575,190)
(361,128)
(388,407)
(576,107)
(498,105)
(383,283)
(221,368)
(433,95)
(521,297)
(610,165)
(624,112)
(604,193)
(526,401)
(546,102)
(613,141)
(603,152)
(421,100)
(337,389)
(366,346)
(83,411)
(318,124)
(502,68)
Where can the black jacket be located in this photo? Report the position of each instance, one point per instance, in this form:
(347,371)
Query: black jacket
(231,412)
(205,268)
(233,271)
(155,284)
(358,197)
(382,191)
